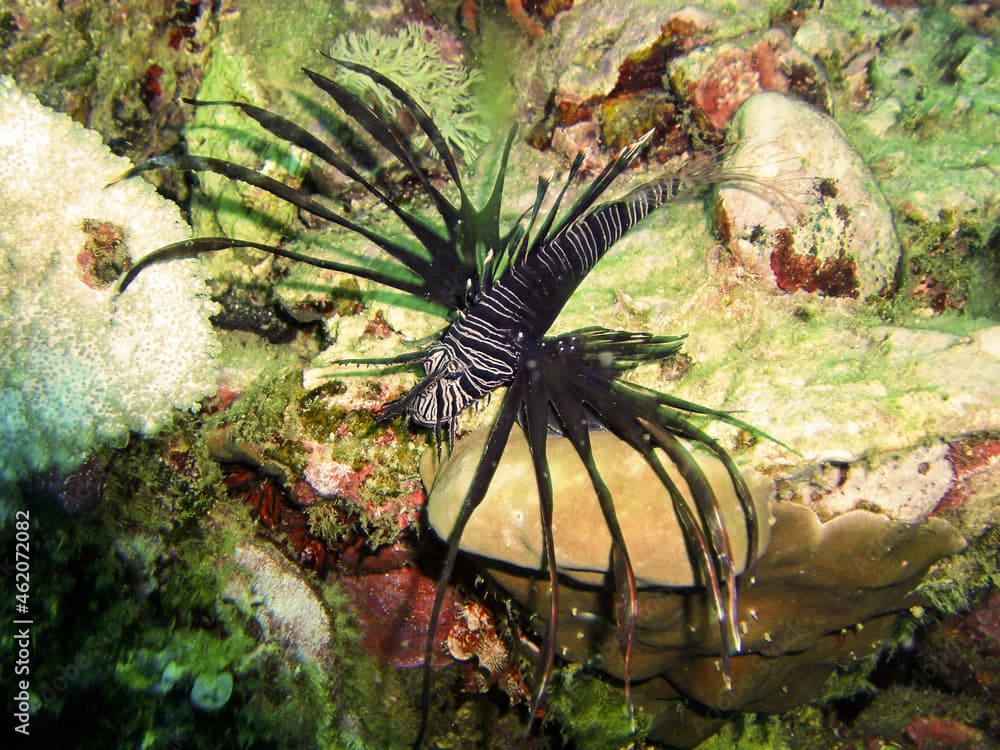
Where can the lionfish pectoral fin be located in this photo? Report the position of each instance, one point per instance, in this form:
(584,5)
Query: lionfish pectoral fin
(481,479)
(535,411)
(649,420)
(407,358)
(626,615)
(576,421)
(716,557)
(638,418)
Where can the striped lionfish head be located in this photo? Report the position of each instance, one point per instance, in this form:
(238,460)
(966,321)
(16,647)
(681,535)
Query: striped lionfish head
(445,390)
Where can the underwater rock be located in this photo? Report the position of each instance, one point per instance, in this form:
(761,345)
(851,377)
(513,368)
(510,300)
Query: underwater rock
(908,487)
(364,468)
(931,732)
(589,45)
(506,526)
(603,74)
(241,311)
(842,244)
(79,367)
(619,65)
(825,596)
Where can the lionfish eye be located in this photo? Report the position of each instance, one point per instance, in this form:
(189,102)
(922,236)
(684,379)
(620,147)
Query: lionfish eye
(452,369)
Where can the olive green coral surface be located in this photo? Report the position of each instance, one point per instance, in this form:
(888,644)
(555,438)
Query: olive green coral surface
(169,613)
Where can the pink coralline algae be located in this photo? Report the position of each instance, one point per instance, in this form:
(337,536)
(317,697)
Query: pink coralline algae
(834,277)
(331,478)
(931,733)
(733,78)
(974,461)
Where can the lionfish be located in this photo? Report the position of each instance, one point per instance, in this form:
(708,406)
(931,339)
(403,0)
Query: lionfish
(504,288)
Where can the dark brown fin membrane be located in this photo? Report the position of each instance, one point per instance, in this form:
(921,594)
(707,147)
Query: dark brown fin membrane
(574,382)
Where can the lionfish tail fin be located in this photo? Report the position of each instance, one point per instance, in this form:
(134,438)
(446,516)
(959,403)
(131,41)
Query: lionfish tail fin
(723,167)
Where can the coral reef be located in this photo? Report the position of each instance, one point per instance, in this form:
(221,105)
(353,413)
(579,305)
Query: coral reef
(196,620)
(79,368)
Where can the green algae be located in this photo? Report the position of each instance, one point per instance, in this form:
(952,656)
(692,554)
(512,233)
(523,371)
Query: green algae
(955,583)
(591,713)
(760,733)
(181,492)
(935,155)
(957,261)
(891,711)
(91,60)
(134,615)
(260,418)
(223,206)
(132,628)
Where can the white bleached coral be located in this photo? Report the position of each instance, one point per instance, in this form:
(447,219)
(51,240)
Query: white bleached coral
(79,368)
